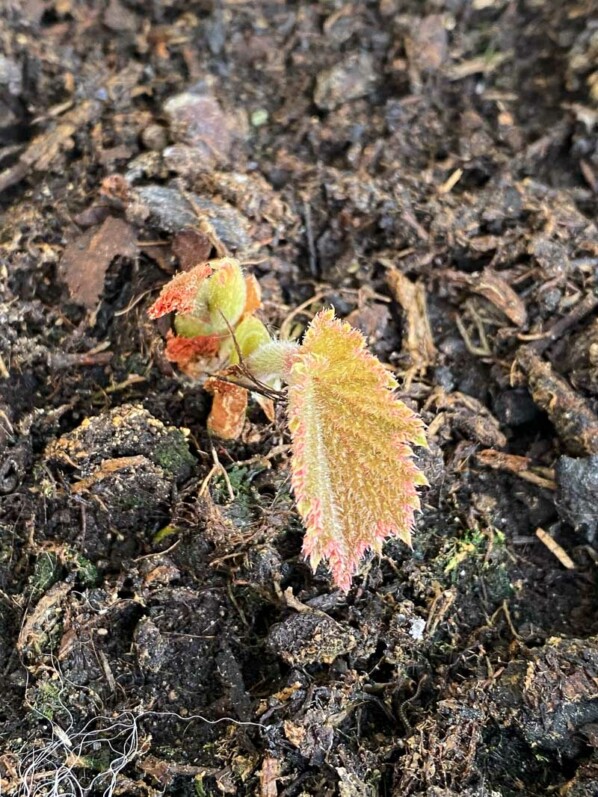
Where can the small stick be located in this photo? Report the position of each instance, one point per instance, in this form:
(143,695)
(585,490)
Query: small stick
(217,467)
(311,244)
(555,549)
(285,327)
(583,308)
(254,386)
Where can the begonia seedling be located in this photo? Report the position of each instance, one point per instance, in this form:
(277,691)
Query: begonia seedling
(353,474)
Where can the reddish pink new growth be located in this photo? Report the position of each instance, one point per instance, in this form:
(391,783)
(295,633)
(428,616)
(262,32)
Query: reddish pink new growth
(180,293)
(186,351)
(352,472)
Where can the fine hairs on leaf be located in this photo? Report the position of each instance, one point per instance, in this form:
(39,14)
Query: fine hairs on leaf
(353,474)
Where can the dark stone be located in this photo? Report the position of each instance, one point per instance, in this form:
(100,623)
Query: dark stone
(515,407)
(577,493)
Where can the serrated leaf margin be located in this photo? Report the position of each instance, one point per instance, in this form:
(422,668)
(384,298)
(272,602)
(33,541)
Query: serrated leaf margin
(334,358)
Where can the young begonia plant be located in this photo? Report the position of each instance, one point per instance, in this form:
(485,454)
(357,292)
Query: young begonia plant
(214,305)
(353,476)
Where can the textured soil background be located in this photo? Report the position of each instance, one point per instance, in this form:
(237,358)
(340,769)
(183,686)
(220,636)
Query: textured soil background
(429,168)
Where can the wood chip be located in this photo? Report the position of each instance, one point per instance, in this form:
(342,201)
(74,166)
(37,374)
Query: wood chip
(480,65)
(451,182)
(518,466)
(107,468)
(269,774)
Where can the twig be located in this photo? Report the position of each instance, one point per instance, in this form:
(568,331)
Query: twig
(217,467)
(285,327)
(583,308)
(254,386)
(555,549)
(311,244)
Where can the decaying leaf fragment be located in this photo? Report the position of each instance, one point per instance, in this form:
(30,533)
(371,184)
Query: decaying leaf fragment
(352,472)
(495,289)
(189,353)
(412,298)
(86,259)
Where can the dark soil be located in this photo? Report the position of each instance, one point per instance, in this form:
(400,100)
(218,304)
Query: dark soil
(429,168)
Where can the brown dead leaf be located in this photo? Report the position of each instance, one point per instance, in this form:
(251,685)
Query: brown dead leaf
(85,260)
(294,733)
(267,406)
(42,620)
(498,292)
(472,418)
(191,248)
(495,289)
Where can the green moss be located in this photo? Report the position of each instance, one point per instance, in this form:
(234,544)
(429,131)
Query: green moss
(47,699)
(498,584)
(87,572)
(46,572)
(241,511)
(478,553)
(172,455)
(126,502)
